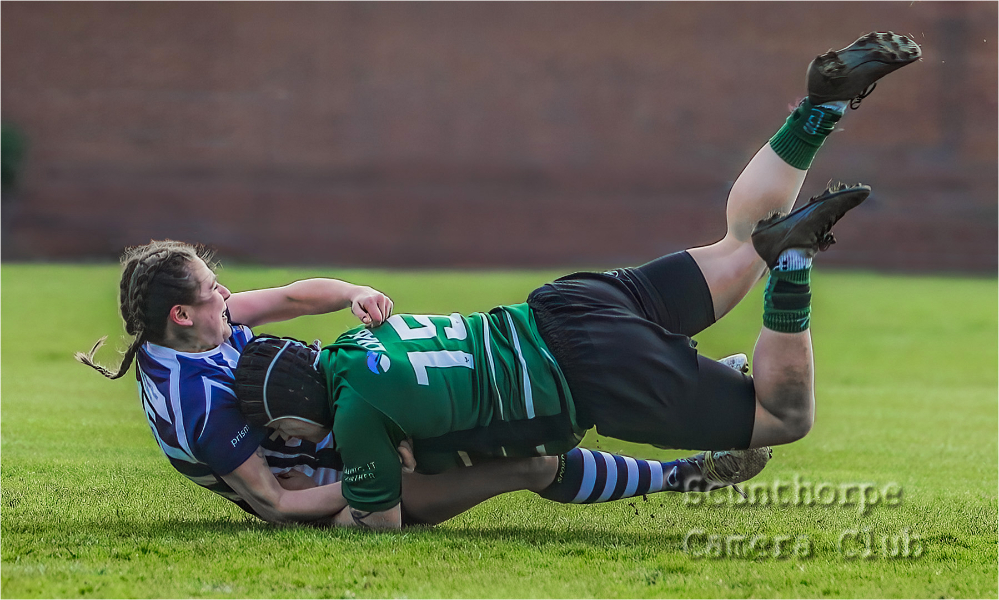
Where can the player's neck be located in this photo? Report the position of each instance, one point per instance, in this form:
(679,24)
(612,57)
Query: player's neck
(185,339)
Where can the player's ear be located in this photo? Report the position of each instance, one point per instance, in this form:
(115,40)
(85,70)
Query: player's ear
(180,314)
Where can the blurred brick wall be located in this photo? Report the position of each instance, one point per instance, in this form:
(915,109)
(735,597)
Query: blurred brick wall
(479,134)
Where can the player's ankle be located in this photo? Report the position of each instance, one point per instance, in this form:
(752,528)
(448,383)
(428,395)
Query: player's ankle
(787,299)
(836,106)
(804,131)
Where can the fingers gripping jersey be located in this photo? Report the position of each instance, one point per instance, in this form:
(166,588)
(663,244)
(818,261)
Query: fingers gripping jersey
(188,401)
(461,387)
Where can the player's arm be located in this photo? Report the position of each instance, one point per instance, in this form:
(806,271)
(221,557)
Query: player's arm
(255,483)
(308,297)
(374,451)
(295,480)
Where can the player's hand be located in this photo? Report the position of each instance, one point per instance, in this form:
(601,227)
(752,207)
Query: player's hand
(370,306)
(406,456)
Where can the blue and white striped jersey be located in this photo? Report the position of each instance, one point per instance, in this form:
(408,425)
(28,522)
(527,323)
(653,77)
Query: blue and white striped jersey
(188,400)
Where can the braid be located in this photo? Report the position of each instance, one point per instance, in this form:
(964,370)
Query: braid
(126,361)
(135,298)
(154,278)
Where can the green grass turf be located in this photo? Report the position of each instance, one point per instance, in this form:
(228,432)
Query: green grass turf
(906,383)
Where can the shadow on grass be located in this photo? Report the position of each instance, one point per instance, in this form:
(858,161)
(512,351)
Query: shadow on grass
(176,528)
(194,530)
(533,535)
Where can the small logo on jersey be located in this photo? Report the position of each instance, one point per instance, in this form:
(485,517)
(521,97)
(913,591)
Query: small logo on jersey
(376,360)
(239,436)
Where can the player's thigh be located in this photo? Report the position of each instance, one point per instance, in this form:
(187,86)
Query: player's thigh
(730,269)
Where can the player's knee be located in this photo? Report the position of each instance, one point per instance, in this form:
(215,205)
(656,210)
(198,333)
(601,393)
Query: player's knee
(797,424)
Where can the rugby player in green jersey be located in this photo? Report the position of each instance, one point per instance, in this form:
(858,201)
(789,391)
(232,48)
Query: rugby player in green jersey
(608,350)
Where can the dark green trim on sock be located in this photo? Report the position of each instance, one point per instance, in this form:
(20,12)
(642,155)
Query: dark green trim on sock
(787,301)
(802,134)
(791,301)
(787,321)
(798,277)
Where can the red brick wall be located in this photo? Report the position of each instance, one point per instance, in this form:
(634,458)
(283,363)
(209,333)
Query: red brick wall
(479,134)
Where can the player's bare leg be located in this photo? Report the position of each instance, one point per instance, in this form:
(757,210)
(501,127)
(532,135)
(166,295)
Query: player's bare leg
(433,499)
(782,361)
(773,178)
(581,476)
(731,267)
(784,381)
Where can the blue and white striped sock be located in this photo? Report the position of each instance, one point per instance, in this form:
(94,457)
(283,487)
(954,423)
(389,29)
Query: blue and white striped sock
(590,476)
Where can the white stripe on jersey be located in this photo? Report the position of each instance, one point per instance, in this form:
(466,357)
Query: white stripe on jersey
(154,399)
(325,476)
(528,396)
(171,451)
(231,358)
(548,355)
(320,475)
(492,366)
(174,365)
(209,384)
(277,454)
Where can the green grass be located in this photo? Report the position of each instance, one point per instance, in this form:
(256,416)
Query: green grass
(906,383)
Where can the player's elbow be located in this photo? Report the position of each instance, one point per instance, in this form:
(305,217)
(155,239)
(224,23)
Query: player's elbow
(271,508)
(271,511)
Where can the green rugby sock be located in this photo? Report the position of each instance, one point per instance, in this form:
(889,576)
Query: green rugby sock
(803,133)
(787,299)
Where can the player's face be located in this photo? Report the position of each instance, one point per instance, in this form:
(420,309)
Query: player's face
(289,427)
(208,312)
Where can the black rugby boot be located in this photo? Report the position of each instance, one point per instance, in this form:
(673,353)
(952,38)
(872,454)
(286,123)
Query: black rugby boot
(848,73)
(807,227)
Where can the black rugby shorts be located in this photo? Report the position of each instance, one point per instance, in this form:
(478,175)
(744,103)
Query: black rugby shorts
(622,339)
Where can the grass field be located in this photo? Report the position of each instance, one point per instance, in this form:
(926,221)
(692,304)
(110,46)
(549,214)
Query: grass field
(907,415)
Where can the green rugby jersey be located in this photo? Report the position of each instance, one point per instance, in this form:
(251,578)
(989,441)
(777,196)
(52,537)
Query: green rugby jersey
(463,388)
